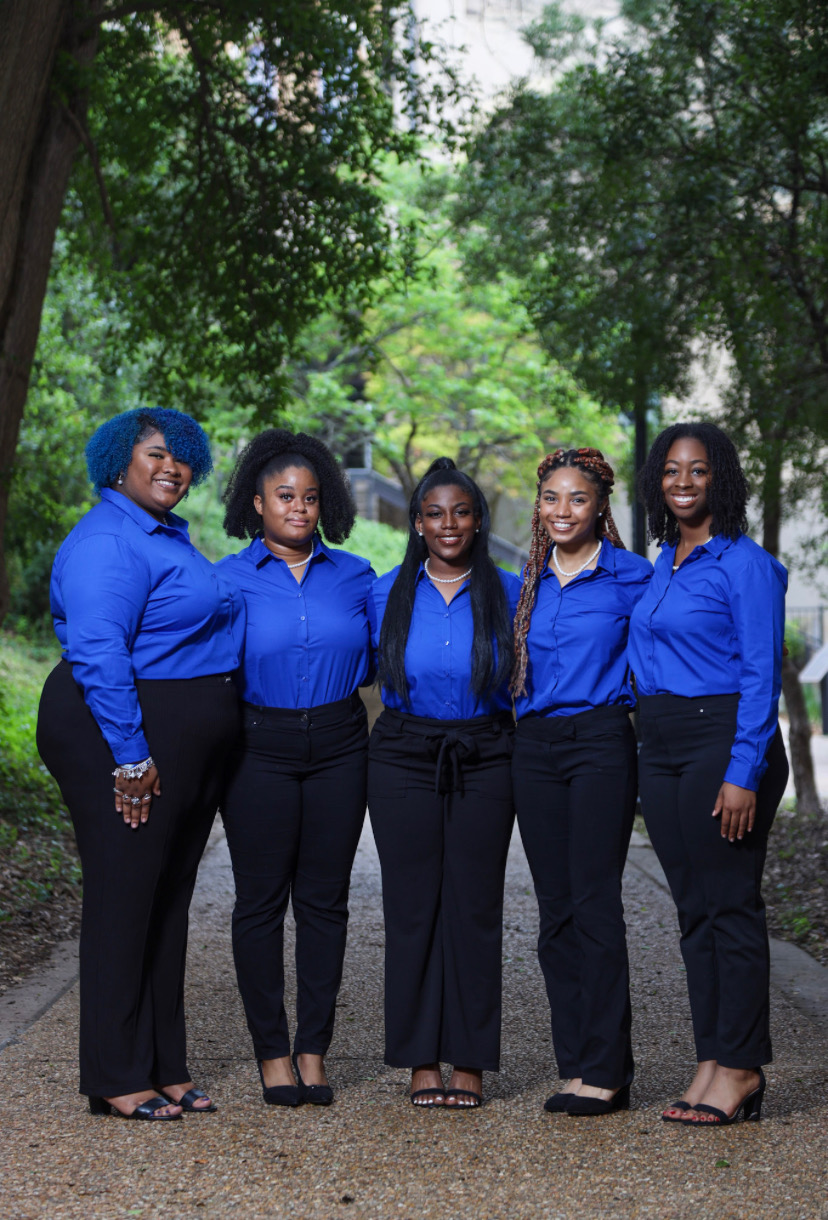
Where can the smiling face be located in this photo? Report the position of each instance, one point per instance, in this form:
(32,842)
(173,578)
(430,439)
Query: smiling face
(154,480)
(685,481)
(289,508)
(569,507)
(448,523)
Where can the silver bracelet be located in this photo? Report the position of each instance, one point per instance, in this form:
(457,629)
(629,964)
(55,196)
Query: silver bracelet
(133,770)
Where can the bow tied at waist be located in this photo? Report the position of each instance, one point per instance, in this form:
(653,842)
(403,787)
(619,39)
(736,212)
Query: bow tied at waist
(451,749)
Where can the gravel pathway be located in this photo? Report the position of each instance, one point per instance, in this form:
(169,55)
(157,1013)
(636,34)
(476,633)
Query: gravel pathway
(373,1155)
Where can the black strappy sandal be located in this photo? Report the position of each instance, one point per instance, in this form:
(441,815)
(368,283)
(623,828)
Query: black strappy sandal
(191,1096)
(428,1105)
(147,1110)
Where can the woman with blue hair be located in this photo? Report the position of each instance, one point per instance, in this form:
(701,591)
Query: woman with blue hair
(134,724)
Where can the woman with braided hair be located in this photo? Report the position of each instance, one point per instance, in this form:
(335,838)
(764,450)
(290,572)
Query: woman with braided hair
(706,649)
(574,769)
(295,803)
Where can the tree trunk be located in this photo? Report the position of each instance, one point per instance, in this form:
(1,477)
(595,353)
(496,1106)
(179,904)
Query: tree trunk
(799,736)
(799,741)
(38,141)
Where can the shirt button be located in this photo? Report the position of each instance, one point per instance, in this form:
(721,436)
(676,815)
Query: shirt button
(301,618)
(445,616)
(447,641)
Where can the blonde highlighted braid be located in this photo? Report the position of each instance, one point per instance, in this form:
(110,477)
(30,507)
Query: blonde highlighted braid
(599,472)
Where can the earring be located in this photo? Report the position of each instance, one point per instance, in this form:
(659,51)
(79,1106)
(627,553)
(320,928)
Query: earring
(477,531)
(419,533)
(120,479)
(600,514)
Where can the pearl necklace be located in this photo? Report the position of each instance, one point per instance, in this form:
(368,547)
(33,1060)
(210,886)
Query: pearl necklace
(564,572)
(301,562)
(446,580)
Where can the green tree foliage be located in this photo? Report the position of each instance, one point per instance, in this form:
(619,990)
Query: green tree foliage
(228,184)
(448,366)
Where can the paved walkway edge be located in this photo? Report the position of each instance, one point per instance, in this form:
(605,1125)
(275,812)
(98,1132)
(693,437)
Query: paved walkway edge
(23,1005)
(793,971)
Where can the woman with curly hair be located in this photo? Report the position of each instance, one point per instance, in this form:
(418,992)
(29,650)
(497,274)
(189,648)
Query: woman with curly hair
(150,636)
(706,649)
(439,791)
(295,803)
(574,769)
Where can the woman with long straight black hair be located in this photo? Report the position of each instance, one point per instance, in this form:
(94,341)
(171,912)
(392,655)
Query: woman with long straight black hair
(706,650)
(439,788)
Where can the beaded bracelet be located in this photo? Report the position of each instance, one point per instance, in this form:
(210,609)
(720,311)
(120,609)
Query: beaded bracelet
(133,770)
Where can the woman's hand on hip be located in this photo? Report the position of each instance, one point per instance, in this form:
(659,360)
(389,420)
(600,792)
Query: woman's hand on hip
(737,808)
(133,797)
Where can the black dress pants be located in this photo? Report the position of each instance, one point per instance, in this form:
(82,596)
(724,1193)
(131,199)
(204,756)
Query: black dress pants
(574,780)
(716,884)
(293,813)
(137,884)
(440,800)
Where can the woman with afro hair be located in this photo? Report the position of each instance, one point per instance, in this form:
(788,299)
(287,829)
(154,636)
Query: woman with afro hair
(706,649)
(295,802)
(134,724)
(574,769)
(439,791)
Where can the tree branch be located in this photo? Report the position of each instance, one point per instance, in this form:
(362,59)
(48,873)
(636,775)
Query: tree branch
(82,132)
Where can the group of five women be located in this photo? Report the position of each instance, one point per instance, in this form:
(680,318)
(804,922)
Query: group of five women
(500,696)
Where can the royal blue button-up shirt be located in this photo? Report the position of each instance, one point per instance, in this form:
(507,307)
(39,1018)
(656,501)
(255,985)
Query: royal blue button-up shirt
(132,598)
(578,637)
(306,642)
(439,649)
(715,627)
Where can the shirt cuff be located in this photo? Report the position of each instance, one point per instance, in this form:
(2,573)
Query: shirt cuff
(744,775)
(134,749)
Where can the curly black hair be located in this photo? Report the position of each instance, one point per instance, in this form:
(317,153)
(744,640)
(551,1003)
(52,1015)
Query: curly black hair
(490,609)
(270,453)
(727,493)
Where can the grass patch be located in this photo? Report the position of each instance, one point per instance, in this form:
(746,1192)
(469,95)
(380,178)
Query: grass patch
(38,860)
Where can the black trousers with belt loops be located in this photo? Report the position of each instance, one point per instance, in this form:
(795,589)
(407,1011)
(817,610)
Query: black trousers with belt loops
(716,884)
(293,813)
(440,801)
(137,884)
(574,780)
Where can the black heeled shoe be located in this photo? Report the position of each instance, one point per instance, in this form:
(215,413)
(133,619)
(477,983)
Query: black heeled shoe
(147,1110)
(189,1098)
(278,1094)
(313,1094)
(583,1107)
(750,1107)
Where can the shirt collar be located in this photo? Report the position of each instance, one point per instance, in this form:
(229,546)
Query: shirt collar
(715,546)
(140,516)
(260,554)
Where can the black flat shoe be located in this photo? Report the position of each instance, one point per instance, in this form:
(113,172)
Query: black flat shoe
(558,1103)
(313,1094)
(583,1107)
(191,1096)
(147,1110)
(750,1107)
(278,1094)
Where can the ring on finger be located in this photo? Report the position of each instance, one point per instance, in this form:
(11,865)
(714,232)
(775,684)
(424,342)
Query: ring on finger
(134,800)
(146,796)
